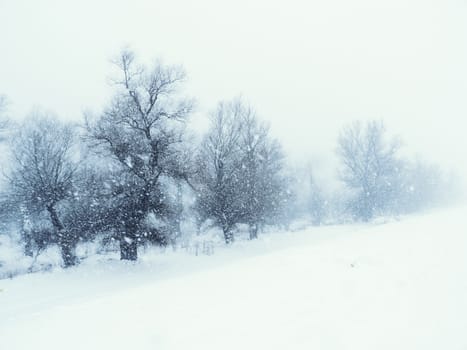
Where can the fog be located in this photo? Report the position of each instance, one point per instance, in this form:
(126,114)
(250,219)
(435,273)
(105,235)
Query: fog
(308,67)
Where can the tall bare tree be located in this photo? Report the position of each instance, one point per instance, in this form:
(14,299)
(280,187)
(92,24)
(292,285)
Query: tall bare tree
(261,172)
(142,132)
(218,163)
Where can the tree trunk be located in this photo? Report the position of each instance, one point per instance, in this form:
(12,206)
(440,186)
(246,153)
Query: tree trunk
(133,217)
(228,235)
(128,249)
(57,224)
(253,231)
(68,254)
(67,246)
(26,233)
(129,242)
(28,244)
(367,214)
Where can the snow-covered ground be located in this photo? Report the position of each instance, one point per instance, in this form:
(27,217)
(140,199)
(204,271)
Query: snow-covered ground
(395,285)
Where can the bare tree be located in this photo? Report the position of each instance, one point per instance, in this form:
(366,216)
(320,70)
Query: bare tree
(42,174)
(370,167)
(142,132)
(261,172)
(218,162)
(239,171)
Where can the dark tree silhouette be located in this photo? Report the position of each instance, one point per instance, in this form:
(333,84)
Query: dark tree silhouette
(142,131)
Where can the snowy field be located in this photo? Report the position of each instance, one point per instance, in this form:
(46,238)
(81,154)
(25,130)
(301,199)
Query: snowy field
(395,285)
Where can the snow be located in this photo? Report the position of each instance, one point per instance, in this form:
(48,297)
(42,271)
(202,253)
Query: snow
(386,285)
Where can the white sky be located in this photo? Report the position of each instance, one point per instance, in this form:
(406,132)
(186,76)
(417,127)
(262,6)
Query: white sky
(307,66)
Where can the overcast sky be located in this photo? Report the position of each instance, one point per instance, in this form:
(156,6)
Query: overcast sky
(308,67)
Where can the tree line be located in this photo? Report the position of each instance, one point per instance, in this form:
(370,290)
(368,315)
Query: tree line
(124,174)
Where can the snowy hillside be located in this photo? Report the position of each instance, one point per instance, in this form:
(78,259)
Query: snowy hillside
(396,285)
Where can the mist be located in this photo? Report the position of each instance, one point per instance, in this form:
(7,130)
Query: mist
(307,67)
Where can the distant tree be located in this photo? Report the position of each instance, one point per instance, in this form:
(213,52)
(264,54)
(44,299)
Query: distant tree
(317,203)
(424,186)
(42,174)
(370,167)
(3,118)
(4,203)
(240,167)
(263,184)
(3,103)
(218,164)
(142,131)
